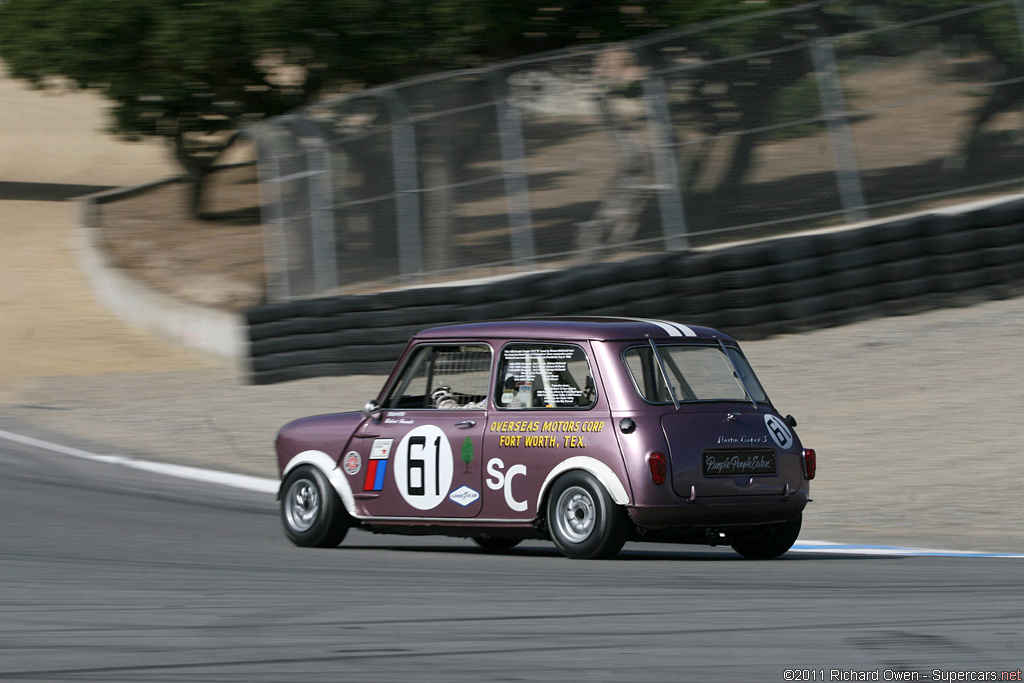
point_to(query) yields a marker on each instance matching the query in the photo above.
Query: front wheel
(311, 510)
(768, 541)
(584, 521)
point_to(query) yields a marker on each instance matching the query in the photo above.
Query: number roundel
(424, 467)
(778, 431)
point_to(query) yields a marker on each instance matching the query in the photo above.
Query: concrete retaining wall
(219, 334)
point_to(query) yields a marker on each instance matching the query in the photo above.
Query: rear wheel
(311, 510)
(768, 541)
(584, 521)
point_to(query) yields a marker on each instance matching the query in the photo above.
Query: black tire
(908, 269)
(768, 541)
(322, 370)
(702, 305)
(695, 285)
(311, 512)
(864, 257)
(491, 544)
(796, 270)
(751, 297)
(583, 520)
(902, 250)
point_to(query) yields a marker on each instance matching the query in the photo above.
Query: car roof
(569, 328)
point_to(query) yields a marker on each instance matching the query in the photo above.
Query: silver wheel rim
(575, 514)
(302, 504)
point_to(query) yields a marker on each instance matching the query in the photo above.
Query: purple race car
(587, 431)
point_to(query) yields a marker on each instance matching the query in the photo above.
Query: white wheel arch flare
(602, 472)
(330, 469)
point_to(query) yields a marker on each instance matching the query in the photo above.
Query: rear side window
(544, 376)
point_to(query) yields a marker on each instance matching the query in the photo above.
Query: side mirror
(791, 421)
(371, 408)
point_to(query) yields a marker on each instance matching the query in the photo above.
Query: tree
(190, 73)
(746, 99)
(195, 72)
(991, 33)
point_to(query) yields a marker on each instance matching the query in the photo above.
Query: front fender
(330, 469)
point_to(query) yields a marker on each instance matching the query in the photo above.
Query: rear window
(696, 373)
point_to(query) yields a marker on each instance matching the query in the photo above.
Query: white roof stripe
(687, 332)
(673, 329)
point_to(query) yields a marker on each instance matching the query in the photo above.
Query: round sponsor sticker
(424, 467)
(778, 430)
(353, 462)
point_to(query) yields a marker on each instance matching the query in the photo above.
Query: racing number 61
(422, 478)
(420, 464)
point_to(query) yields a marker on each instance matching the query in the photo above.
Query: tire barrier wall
(751, 291)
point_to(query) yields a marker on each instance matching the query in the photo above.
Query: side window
(544, 376)
(449, 376)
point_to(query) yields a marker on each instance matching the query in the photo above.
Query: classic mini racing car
(587, 431)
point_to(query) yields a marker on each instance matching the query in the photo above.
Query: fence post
(407, 188)
(325, 250)
(823, 58)
(323, 238)
(666, 168)
(1019, 4)
(275, 248)
(513, 159)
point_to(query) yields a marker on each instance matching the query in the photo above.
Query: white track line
(238, 481)
(262, 485)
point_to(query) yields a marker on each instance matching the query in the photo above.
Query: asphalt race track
(109, 573)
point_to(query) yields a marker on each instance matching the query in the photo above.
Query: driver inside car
(443, 399)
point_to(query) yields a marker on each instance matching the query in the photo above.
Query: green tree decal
(467, 452)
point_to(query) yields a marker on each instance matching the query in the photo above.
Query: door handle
(465, 424)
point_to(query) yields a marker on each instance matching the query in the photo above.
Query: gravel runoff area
(916, 420)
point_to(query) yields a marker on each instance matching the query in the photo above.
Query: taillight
(810, 463)
(659, 467)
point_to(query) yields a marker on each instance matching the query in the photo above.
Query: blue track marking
(861, 549)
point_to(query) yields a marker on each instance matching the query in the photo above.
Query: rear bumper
(720, 511)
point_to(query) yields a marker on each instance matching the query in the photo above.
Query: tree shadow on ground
(46, 192)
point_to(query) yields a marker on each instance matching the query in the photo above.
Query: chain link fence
(823, 114)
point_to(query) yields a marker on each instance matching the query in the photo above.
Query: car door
(422, 450)
(548, 412)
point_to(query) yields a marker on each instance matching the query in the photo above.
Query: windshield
(697, 373)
